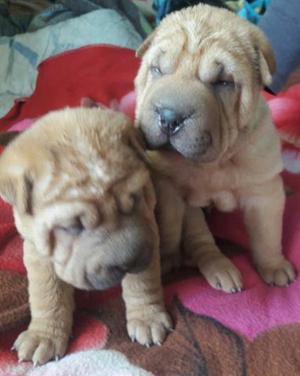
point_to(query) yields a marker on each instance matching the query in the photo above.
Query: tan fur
(84, 204)
(226, 151)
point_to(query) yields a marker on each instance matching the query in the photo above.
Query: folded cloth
(102, 73)
(16, 16)
(20, 16)
(21, 54)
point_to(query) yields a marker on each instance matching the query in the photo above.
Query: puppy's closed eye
(155, 71)
(223, 80)
(73, 228)
(219, 83)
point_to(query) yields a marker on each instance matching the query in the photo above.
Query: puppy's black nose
(170, 121)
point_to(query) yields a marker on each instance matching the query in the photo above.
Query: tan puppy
(199, 102)
(84, 204)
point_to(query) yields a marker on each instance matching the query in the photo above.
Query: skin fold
(84, 202)
(200, 108)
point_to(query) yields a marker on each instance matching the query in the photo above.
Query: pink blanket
(256, 332)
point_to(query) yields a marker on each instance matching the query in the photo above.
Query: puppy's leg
(202, 251)
(169, 211)
(147, 319)
(51, 305)
(263, 213)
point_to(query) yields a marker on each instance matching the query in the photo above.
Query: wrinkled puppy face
(82, 195)
(199, 81)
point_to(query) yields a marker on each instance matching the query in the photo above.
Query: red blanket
(215, 333)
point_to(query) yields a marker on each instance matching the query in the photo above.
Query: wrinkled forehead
(204, 52)
(166, 49)
(91, 203)
(91, 178)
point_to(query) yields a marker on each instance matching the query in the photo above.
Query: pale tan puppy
(199, 103)
(84, 204)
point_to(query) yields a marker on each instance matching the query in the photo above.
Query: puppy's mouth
(110, 276)
(97, 281)
(166, 147)
(175, 147)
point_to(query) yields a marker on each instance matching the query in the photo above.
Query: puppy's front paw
(149, 328)
(39, 347)
(222, 274)
(280, 275)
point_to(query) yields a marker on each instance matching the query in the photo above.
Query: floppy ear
(7, 137)
(145, 45)
(17, 191)
(125, 191)
(264, 67)
(137, 142)
(265, 58)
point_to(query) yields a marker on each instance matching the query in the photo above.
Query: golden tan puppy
(199, 103)
(84, 204)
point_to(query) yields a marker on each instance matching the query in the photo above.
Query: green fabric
(235, 5)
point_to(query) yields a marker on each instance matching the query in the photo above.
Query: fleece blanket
(255, 332)
(21, 54)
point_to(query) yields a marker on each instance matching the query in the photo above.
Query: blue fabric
(282, 27)
(253, 10)
(164, 7)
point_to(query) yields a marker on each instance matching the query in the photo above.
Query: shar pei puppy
(200, 107)
(83, 202)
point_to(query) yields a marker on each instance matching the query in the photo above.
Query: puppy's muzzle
(170, 121)
(108, 276)
(102, 276)
(176, 126)
(183, 117)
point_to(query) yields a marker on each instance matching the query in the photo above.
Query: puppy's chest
(210, 186)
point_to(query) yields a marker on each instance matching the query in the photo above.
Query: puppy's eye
(155, 71)
(223, 83)
(73, 229)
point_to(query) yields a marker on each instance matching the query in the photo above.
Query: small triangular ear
(265, 56)
(17, 191)
(267, 67)
(145, 45)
